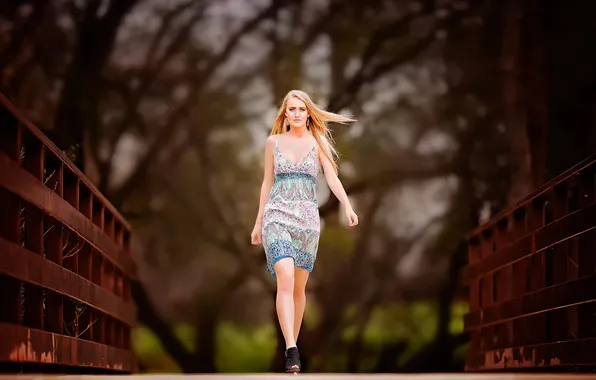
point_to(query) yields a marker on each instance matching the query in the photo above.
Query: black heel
(292, 360)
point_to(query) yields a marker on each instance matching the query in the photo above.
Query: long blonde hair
(319, 118)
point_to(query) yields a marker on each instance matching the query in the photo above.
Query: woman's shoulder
(271, 139)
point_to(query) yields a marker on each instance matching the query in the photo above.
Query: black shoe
(292, 360)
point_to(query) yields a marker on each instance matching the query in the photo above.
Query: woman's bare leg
(284, 302)
(300, 279)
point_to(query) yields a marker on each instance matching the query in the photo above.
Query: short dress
(291, 224)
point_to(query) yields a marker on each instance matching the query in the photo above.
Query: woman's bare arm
(338, 189)
(267, 178)
(333, 181)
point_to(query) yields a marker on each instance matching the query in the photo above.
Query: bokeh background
(463, 107)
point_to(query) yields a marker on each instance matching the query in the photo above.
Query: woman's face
(296, 113)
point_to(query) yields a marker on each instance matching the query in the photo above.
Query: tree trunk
(571, 63)
(205, 355)
(535, 81)
(149, 317)
(356, 347)
(524, 102)
(388, 357)
(550, 80)
(77, 113)
(205, 341)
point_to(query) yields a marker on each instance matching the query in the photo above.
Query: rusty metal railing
(531, 277)
(65, 262)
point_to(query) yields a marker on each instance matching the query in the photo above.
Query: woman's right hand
(255, 236)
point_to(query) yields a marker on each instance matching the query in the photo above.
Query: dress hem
(273, 274)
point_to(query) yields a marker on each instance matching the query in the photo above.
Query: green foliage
(240, 349)
(458, 310)
(150, 352)
(414, 324)
(244, 349)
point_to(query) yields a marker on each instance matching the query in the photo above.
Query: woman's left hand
(352, 217)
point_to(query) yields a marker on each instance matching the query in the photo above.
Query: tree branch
(320, 25)
(172, 124)
(370, 73)
(397, 28)
(19, 36)
(391, 177)
(150, 73)
(231, 246)
(167, 20)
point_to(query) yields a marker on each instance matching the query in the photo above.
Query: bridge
(66, 270)
(66, 266)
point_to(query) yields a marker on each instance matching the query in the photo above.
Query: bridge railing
(65, 260)
(531, 277)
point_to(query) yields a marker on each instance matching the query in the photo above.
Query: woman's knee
(299, 293)
(299, 289)
(284, 271)
(300, 280)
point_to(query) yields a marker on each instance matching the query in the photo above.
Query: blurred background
(463, 107)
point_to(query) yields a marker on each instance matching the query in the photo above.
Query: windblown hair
(317, 125)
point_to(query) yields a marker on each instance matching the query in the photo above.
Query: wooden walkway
(267, 376)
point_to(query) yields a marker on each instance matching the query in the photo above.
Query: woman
(288, 223)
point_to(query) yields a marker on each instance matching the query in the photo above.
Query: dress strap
(276, 141)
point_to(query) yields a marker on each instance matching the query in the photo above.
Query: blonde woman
(288, 223)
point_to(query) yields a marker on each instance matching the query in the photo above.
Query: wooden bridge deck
(268, 376)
